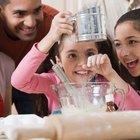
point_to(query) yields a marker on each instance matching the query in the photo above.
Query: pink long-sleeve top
(25, 79)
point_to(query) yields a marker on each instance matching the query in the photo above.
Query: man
(22, 23)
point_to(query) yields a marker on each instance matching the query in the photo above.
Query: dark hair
(41, 102)
(133, 81)
(134, 17)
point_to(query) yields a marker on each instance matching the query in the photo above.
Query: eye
(90, 53)
(38, 10)
(19, 13)
(72, 56)
(117, 44)
(132, 42)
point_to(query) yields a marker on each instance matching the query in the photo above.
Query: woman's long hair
(133, 81)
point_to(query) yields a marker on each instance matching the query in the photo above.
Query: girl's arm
(24, 78)
(101, 64)
(60, 25)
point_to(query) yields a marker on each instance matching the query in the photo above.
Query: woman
(127, 45)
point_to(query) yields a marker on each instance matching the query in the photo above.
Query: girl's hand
(60, 25)
(99, 64)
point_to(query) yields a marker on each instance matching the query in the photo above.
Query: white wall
(70, 5)
(112, 11)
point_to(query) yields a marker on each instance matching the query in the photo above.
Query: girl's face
(73, 56)
(127, 44)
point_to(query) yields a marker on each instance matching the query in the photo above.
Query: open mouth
(132, 64)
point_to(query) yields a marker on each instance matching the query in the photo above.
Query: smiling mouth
(84, 76)
(28, 31)
(83, 73)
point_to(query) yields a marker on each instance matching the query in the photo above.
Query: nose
(82, 60)
(125, 51)
(30, 21)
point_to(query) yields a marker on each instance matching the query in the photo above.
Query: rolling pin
(95, 126)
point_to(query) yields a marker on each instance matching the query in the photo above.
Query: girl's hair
(133, 17)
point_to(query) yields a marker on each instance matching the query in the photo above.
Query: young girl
(71, 56)
(127, 45)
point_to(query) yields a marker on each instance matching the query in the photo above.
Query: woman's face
(127, 44)
(73, 55)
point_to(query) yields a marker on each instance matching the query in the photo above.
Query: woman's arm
(132, 100)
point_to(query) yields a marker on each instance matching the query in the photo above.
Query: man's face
(21, 18)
